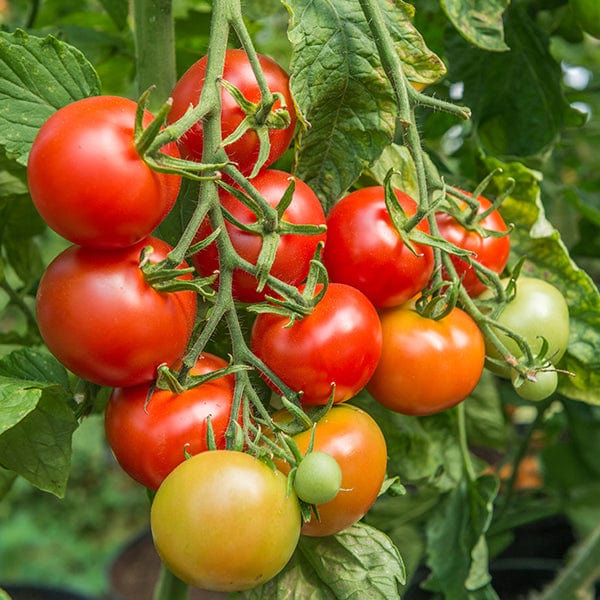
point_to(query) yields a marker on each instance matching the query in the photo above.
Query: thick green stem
(155, 49)
(170, 587)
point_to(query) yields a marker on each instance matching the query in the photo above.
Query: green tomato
(318, 478)
(587, 14)
(538, 310)
(543, 387)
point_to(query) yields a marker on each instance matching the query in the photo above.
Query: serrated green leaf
(478, 21)
(34, 365)
(535, 238)
(37, 76)
(456, 547)
(359, 562)
(16, 402)
(38, 447)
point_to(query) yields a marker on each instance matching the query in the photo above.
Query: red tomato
(149, 431)
(364, 249)
(294, 252)
(87, 180)
(427, 366)
(101, 320)
(355, 440)
(339, 342)
(492, 252)
(238, 72)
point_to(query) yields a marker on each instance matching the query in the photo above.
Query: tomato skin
(294, 252)
(223, 521)
(353, 438)
(537, 309)
(101, 320)
(427, 366)
(339, 342)
(543, 387)
(149, 431)
(364, 249)
(88, 182)
(238, 72)
(491, 252)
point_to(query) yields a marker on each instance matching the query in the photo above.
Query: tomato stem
(170, 587)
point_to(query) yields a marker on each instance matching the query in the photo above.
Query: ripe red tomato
(353, 438)
(339, 342)
(294, 251)
(225, 521)
(427, 366)
(492, 252)
(149, 431)
(104, 322)
(238, 72)
(365, 250)
(87, 180)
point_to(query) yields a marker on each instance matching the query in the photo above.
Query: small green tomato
(543, 387)
(318, 478)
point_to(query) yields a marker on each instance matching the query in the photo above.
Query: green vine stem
(154, 34)
(169, 587)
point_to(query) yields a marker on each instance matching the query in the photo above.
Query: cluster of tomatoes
(222, 519)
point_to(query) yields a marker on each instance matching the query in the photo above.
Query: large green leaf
(340, 87)
(37, 76)
(535, 238)
(478, 21)
(360, 562)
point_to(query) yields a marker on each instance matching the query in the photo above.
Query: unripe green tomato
(544, 386)
(587, 14)
(318, 478)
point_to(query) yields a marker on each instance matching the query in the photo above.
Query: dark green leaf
(360, 562)
(456, 547)
(38, 447)
(37, 76)
(536, 239)
(16, 402)
(478, 21)
(118, 11)
(34, 365)
(7, 478)
(507, 124)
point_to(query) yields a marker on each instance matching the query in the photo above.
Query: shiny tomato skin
(427, 366)
(150, 430)
(353, 438)
(339, 342)
(294, 251)
(238, 72)
(104, 322)
(224, 521)
(365, 250)
(88, 182)
(492, 252)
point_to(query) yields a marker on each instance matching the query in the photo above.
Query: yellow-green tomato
(224, 521)
(318, 478)
(538, 310)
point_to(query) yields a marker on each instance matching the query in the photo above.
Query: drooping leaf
(535, 238)
(478, 21)
(360, 562)
(341, 89)
(118, 11)
(37, 76)
(456, 547)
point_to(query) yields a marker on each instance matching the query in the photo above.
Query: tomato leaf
(359, 562)
(341, 90)
(37, 76)
(480, 23)
(506, 127)
(118, 11)
(456, 547)
(535, 238)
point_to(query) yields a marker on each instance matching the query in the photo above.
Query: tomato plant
(365, 250)
(237, 72)
(537, 312)
(427, 365)
(239, 522)
(353, 438)
(88, 181)
(587, 14)
(338, 344)
(103, 321)
(150, 431)
(294, 251)
(482, 237)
